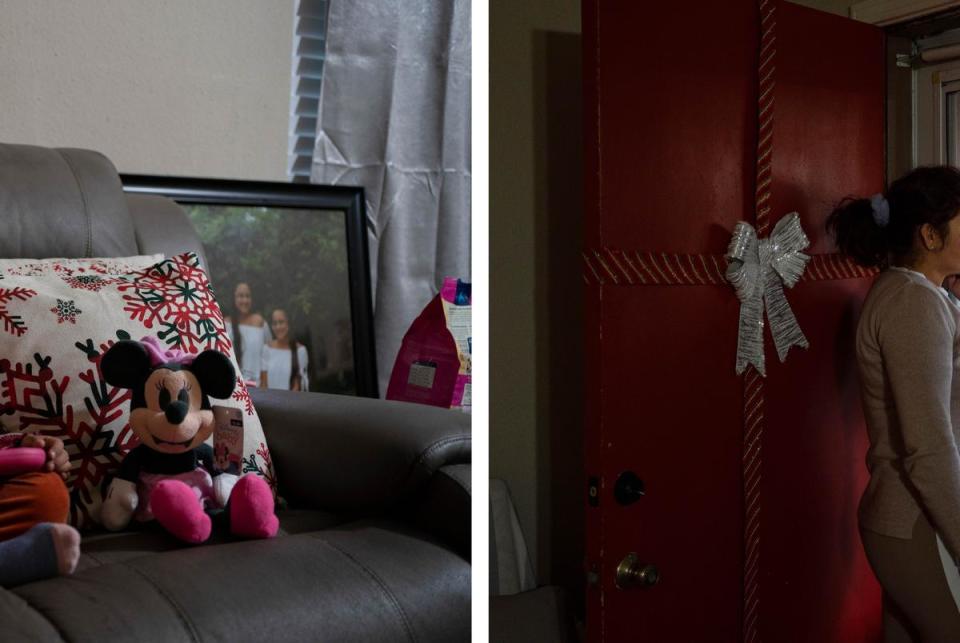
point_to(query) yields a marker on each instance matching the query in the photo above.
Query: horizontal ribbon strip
(618, 267)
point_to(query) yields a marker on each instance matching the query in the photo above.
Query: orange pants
(29, 499)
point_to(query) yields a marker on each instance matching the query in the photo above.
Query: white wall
(177, 87)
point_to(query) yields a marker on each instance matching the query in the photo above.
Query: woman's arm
(264, 365)
(917, 342)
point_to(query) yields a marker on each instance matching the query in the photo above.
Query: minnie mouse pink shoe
(251, 509)
(176, 508)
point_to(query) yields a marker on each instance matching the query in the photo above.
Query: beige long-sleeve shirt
(908, 351)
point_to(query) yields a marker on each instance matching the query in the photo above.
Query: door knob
(632, 573)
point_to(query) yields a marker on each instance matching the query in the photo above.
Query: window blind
(309, 46)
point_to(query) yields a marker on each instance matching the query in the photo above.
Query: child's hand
(57, 458)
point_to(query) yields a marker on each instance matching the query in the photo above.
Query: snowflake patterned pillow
(57, 320)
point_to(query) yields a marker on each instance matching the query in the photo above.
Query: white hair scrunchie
(881, 210)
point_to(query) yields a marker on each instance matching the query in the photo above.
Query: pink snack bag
(434, 362)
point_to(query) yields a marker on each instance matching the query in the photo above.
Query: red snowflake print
(265, 470)
(14, 323)
(66, 311)
(33, 393)
(8, 440)
(28, 270)
(93, 283)
(107, 267)
(241, 394)
(90, 276)
(174, 297)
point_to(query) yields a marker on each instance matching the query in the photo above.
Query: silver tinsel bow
(758, 269)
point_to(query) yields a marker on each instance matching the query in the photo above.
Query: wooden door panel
(815, 583)
(670, 131)
(828, 144)
(676, 122)
(672, 415)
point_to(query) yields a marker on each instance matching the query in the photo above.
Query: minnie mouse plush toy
(171, 476)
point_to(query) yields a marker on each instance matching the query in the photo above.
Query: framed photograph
(290, 267)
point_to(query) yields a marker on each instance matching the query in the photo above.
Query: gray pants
(917, 604)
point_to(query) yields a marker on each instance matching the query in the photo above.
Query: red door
(671, 137)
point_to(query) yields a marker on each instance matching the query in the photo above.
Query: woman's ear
(215, 373)
(126, 364)
(930, 238)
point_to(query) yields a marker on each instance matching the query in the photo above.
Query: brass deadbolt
(632, 573)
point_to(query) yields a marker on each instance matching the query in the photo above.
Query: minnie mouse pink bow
(160, 355)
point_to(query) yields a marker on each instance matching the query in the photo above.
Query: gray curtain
(394, 117)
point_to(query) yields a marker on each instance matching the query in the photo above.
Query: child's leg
(33, 546)
(31, 499)
(42, 552)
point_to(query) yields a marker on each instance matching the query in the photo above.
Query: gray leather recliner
(375, 542)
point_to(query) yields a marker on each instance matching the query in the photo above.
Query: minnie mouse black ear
(215, 373)
(126, 364)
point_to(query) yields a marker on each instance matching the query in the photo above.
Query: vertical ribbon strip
(753, 397)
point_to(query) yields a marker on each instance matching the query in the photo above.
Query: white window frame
(884, 13)
(930, 88)
(930, 83)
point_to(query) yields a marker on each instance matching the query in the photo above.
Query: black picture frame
(300, 196)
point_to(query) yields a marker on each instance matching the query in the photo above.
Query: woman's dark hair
(237, 339)
(235, 324)
(292, 345)
(926, 195)
(294, 360)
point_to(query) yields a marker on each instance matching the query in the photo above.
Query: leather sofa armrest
(444, 509)
(338, 452)
(161, 225)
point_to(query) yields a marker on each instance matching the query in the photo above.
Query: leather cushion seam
(95, 559)
(378, 581)
(181, 614)
(46, 618)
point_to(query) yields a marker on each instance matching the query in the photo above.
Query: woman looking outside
(908, 352)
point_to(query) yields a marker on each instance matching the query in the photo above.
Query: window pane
(952, 142)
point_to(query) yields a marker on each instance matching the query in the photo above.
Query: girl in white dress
(283, 360)
(249, 333)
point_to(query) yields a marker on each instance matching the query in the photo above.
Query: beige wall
(160, 86)
(534, 144)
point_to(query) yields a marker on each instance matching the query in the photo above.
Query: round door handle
(632, 573)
